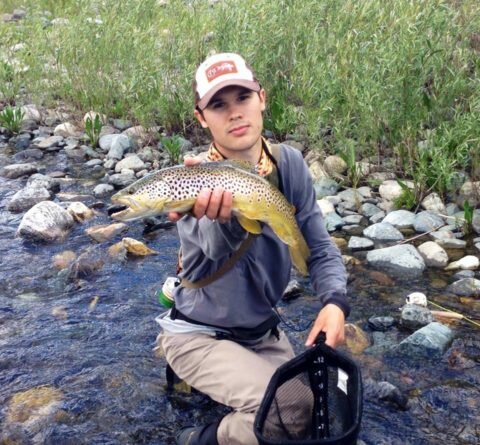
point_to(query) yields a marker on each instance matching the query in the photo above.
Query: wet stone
(415, 316)
(402, 261)
(29, 154)
(381, 323)
(465, 287)
(294, 290)
(383, 232)
(427, 221)
(431, 341)
(357, 243)
(14, 171)
(333, 221)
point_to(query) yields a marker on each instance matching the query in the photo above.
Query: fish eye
(130, 192)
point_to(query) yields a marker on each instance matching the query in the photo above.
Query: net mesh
(314, 399)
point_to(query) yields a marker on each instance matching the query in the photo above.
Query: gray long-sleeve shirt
(244, 296)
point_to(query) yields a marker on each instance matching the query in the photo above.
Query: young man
(222, 338)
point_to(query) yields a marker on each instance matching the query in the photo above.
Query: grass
(387, 75)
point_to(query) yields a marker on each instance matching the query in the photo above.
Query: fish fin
(237, 163)
(298, 259)
(179, 206)
(250, 225)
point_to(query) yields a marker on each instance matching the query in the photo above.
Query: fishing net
(315, 398)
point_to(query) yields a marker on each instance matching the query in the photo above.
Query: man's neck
(251, 155)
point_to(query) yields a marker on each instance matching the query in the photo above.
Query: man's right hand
(215, 204)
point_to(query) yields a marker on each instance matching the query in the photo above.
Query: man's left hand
(330, 320)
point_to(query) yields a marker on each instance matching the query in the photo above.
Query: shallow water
(93, 338)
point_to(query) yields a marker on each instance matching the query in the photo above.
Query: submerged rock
(431, 341)
(45, 221)
(401, 261)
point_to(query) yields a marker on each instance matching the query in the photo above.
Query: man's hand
(330, 320)
(215, 204)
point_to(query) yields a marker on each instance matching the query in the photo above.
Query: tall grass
(384, 74)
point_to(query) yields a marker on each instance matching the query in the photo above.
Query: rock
(390, 190)
(66, 130)
(51, 143)
(356, 340)
(357, 243)
(137, 248)
(354, 219)
(383, 232)
(417, 298)
(43, 181)
(64, 259)
(402, 261)
(427, 221)
(26, 198)
(378, 217)
(431, 341)
(87, 264)
(469, 262)
(103, 190)
(31, 112)
(334, 165)
(325, 187)
(119, 145)
(105, 232)
(138, 134)
(381, 323)
(132, 162)
(449, 243)
(433, 203)
(14, 171)
(368, 210)
(470, 191)
(351, 195)
(121, 180)
(30, 406)
(317, 171)
(333, 222)
(326, 206)
(45, 221)
(401, 219)
(466, 287)
(80, 211)
(476, 221)
(414, 316)
(29, 154)
(293, 290)
(386, 392)
(22, 141)
(433, 254)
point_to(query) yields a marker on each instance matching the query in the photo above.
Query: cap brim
(249, 84)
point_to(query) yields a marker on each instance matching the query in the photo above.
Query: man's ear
(263, 99)
(199, 115)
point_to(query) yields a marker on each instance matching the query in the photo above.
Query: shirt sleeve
(327, 271)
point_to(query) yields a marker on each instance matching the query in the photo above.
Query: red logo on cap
(219, 69)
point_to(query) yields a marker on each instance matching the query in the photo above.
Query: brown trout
(175, 189)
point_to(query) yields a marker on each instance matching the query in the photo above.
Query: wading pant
(232, 374)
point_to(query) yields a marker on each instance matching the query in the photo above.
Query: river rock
(120, 144)
(39, 180)
(92, 115)
(356, 340)
(449, 243)
(383, 232)
(466, 287)
(381, 324)
(326, 206)
(294, 290)
(427, 221)
(385, 391)
(334, 165)
(469, 262)
(26, 198)
(390, 190)
(14, 171)
(433, 254)
(50, 143)
(317, 171)
(64, 259)
(476, 221)
(351, 195)
(431, 341)
(414, 316)
(33, 408)
(333, 221)
(377, 217)
(31, 112)
(325, 186)
(103, 190)
(368, 210)
(105, 232)
(121, 180)
(433, 203)
(470, 191)
(22, 141)
(131, 162)
(401, 219)
(66, 130)
(357, 243)
(80, 211)
(402, 261)
(28, 154)
(45, 221)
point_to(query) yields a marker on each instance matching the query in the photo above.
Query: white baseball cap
(219, 71)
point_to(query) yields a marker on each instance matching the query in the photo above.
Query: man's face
(234, 118)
